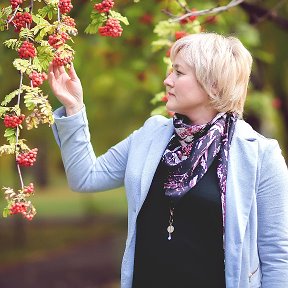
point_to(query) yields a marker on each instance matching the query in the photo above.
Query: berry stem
(18, 131)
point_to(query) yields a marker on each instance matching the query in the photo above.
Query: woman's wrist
(74, 109)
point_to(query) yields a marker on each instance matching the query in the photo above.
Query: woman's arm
(85, 171)
(272, 207)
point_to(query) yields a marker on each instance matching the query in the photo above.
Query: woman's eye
(178, 72)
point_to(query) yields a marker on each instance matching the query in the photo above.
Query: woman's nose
(168, 81)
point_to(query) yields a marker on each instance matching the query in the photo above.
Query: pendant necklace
(170, 228)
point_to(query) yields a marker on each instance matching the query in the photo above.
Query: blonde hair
(222, 66)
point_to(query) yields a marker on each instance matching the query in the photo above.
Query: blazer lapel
(155, 152)
(241, 182)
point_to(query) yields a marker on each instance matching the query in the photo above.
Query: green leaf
(9, 132)
(3, 110)
(9, 97)
(44, 57)
(26, 33)
(7, 149)
(118, 16)
(97, 21)
(159, 44)
(157, 98)
(166, 28)
(48, 10)
(6, 212)
(92, 28)
(12, 43)
(21, 64)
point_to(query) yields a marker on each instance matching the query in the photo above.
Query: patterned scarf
(192, 149)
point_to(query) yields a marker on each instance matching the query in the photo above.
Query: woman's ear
(214, 88)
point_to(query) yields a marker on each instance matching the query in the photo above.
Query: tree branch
(215, 10)
(258, 14)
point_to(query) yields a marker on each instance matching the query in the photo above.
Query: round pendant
(170, 229)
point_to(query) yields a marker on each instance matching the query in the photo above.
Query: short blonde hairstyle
(222, 66)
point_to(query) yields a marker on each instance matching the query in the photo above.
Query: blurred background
(77, 240)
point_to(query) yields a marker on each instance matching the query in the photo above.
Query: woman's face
(185, 95)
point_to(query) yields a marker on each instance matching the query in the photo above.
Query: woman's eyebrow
(176, 66)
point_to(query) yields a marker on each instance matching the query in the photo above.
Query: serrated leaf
(92, 28)
(9, 132)
(21, 64)
(7, 149)
(48, 10)
(3, 110)
(9, 97)
(118, 16)
(26, 33)
(12, 43)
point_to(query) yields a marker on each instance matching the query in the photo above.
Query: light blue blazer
(256, 237)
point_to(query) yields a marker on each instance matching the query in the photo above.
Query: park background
(77, 240)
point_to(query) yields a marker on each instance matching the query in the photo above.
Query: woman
(207, 195)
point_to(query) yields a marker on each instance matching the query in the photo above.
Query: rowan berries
(59, 60)
(104, 6)
(27, 159)
(67, 20)
(18, 207)
(29, 189)
(38, 78)
(27, 50)
(12, 121)
(22, 20)
(57, 40)
(15, 3)
(112, 28)
(65, 6)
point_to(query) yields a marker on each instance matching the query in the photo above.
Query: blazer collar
(155, 152)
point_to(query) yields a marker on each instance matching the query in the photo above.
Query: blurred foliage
(121, 76)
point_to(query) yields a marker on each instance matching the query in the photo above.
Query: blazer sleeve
(85, 171)
(272, 207)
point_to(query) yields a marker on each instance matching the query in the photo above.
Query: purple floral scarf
(192, 149)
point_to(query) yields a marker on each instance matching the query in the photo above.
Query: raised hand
(67, 87)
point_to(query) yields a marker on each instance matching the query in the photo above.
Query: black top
(194, 256)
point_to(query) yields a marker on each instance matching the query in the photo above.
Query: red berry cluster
(18, 207)
(15, 3)
(112, 28)
(22, 207)
(59, 60)
(65, 6)
(27, 50)
(29, 189)
(67, 20)
(12, 121)
(27, 158)
(104, 6)
(22, 20)
(38, 78)
(57, 40)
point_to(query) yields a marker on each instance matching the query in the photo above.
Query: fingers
(72, 73)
